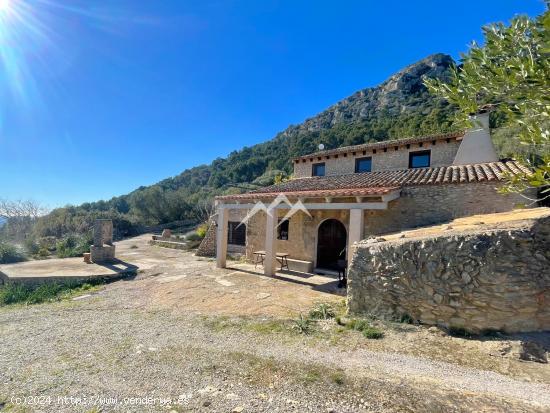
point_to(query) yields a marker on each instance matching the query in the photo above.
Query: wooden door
(331, 244)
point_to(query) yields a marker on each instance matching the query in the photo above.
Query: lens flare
(4, 6)
(38, 42)
(20, 34)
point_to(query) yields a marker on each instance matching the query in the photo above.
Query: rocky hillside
(403, 92)
(400, 107)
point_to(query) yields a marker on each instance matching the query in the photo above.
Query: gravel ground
(183, 336)
(108, 346)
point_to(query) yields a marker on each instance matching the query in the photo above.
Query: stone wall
(207, 247)
(493, 278)
(442, 154)
(433, 204)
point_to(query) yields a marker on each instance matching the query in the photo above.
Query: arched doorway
(331, 244)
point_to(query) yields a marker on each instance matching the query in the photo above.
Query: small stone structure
(207, 247)
(166, 233)
(491, 278)
(103, 249)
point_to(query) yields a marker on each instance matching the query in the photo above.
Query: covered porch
(348, 206)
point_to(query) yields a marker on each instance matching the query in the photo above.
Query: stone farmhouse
(340, 196)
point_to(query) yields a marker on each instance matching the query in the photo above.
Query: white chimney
(476, 145)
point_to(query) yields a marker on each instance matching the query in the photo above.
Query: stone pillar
(103, 249)
(221, 237)
(270, 232)
(356, 226)
(103, 232)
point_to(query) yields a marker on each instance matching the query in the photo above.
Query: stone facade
(302, 233)
(489, 279)
(417, 206)
(442, 154)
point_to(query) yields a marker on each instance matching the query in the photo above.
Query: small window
(236, 233)
(363, 165)
(318, 169)
(282, 230)
(419, 159)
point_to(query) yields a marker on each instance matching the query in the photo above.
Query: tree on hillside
(20, 216)
(512, 72)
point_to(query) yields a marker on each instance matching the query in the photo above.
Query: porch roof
(317, 193)
(384, 182)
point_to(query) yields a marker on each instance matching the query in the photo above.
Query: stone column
(270, 241)
(356, 226)
(221, 237)
(103, 249)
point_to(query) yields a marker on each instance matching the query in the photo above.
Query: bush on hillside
(202, 229)
(73, 246)
(10, 254)
(31, 246)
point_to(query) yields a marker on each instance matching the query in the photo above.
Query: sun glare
(4, 5)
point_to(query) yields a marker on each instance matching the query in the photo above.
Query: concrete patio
(66, 269)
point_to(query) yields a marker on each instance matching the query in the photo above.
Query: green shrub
(12, 293)
(43, 252)
(323, 311)
(73, 246)
(31, 246)
(202, 229)
(302, 324)
(10, 254)
(372, 332)
(338, 377)
(357, 324)
(194, 236)
(364, 327)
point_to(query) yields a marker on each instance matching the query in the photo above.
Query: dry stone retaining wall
(489, 279)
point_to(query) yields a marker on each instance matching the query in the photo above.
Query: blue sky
(96, 101)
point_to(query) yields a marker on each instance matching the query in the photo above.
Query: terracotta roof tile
(318, 193)
(380, 183)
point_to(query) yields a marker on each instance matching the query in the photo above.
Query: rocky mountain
(399, 107)
(402, 92)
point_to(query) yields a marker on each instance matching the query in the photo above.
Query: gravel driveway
(118, 350)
